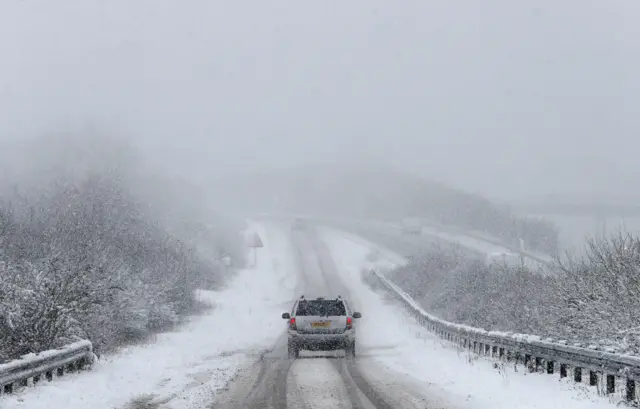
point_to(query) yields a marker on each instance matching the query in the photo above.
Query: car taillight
(349, 323)
(292, 323)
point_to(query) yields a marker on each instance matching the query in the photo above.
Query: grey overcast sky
(509, 98)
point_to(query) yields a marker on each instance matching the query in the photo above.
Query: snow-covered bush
(600, 293)
(593, 300)
(89, 256)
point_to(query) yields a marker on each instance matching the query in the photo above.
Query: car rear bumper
(321, 341)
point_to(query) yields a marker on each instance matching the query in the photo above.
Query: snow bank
(186, 368)
(389, 337)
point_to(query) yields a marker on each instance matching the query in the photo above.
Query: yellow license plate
(320, 324)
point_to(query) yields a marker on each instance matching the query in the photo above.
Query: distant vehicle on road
(298, 223)
(411, 226)
(503, 259)
(321, 325)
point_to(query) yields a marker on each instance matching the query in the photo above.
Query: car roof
(339, 299)
(303, 298)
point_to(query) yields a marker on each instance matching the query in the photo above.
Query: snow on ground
(317, 385)
(185, 368)
(375, 256)
(476, 241)
(485, 246)
(392, 341)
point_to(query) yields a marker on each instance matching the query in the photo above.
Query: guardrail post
(8, 388)
(481, 348)
(82, 363)
(631, 390)
(494, 351)
(593, 378)
(550, 367)
(475, 346)
(49, 375)
(60, 372)
(577, 375)
(538, 364)
(563, 370)
(487, 349)
(501, 353)
(611, 384)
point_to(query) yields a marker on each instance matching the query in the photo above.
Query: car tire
(350, 351)
(294, 352)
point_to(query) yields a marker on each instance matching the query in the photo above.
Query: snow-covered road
(235, 356)
(399, 364)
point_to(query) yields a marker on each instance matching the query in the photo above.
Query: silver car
(321, 325)
(298, 224)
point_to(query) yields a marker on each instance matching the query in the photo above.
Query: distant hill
(375, 191)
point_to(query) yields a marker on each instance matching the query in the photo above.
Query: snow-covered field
(390, 340)
(475, 241)
(185, 368)
(487, 246)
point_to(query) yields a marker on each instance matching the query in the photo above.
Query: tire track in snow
(317, 384)
(261, 386)
(393, 395)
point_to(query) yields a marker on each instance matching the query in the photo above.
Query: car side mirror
(286, 316)
(357, 315)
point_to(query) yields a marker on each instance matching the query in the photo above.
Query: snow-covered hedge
(592, 300)
(89, 256)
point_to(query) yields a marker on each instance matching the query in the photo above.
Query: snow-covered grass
(474, 241)
(185, 368)
(391, 340)
(486, 245)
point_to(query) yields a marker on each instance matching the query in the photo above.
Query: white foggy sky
(508, 98)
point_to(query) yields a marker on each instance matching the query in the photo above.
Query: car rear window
(321, 308)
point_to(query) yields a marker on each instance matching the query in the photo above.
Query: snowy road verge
(392, 339)
(186, 368)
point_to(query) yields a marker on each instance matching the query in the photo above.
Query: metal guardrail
(538, 355)
(30, 369)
